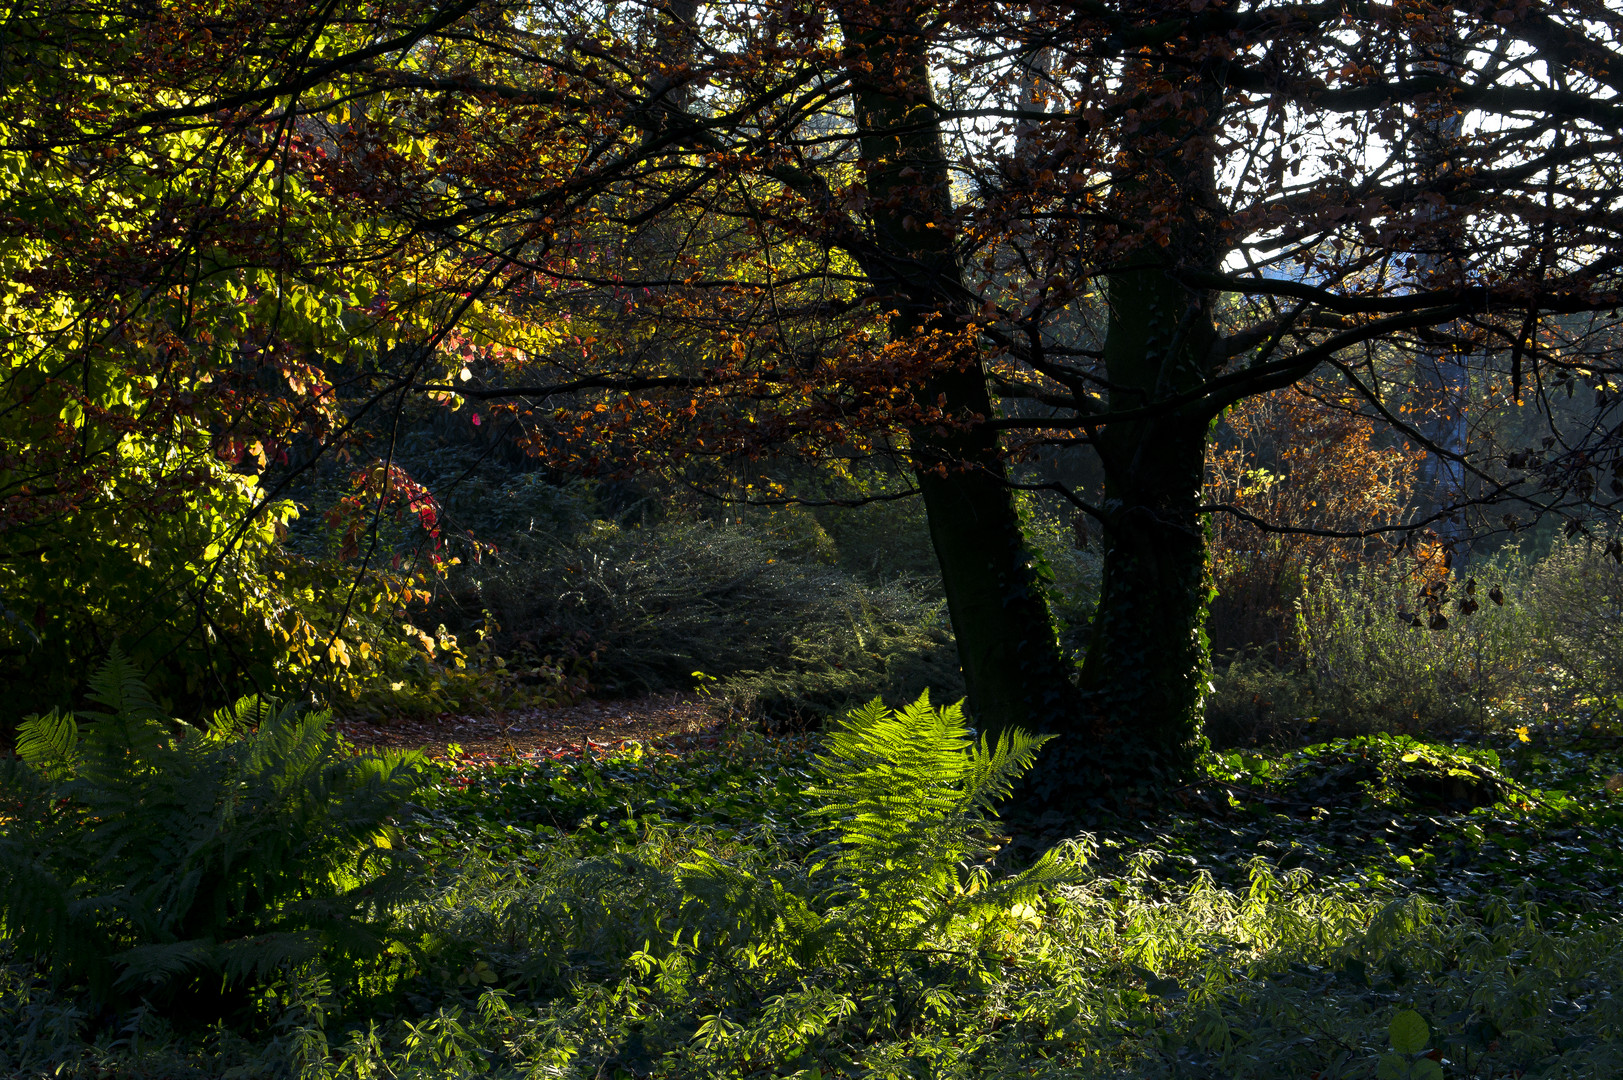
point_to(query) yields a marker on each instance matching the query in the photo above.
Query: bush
(881, 541)
(1574, 601)
(1256, 702)
(146, 858)
(755, 606)
(1071, 569)
(1380, 660)
(1389, 648)
(1294, 461)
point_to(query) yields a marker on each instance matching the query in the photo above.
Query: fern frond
(119, 685)
(155, 965)
(998, 895)
(49, 743)
(910, 795)
(119, 745)
(993, 768)
(265, 955)
(734, 903)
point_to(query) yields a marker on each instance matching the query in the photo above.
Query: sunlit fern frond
(49, 742)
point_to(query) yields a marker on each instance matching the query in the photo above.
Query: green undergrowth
(1541, 818)
(849, 907)
(594, 803)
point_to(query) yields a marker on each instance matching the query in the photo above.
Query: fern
(910, 835)
(910, 794)
(903, 877)
(50, 743)
(150, 853)
(118, 685)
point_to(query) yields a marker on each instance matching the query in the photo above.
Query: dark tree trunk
(1146, 665)
(1144, 678)
(1013, 667)
(1136, 716)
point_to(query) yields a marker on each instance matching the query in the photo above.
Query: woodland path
(674, 721)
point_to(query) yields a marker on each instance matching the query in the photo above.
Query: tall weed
(1376, 662)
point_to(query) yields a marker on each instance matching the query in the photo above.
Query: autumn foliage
(1305, 489)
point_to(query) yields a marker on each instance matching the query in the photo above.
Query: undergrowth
(150, 862)
(756, 606)
(1509, 641)
(850, 907)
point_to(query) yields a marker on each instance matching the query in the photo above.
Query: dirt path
(679, 722)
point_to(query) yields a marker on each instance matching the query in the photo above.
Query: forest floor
(670, 721)
(596, 884)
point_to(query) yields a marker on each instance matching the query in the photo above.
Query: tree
(176, 310)
(1209, 206)
(713, 238)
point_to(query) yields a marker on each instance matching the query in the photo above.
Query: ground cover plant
(847, 905)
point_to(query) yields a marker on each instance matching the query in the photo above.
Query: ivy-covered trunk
(1146, 665)
(1012, 664)
(1144, 678)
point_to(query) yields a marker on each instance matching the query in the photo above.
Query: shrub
(443, 677)
(1410, 649)
(1071, 569)
(1574, 601)
(755, 605)
(1297, 462)
(1377, 663)
(146, 856)
(881, 541)
(1257, 702)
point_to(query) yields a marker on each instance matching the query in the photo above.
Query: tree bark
(1147, 659)
(1144, 678)
(1012, 664)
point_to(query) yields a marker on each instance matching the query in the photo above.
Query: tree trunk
(1143, 682)
(1011, 659)
(1013, 667)
(1147, 661)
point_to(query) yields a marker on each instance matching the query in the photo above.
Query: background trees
(931, 246)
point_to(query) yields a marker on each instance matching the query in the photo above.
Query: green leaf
(1408, 1033)
(49, 742)
(1391, 1067)
(1426, 1069)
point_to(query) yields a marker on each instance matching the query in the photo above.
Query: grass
(1291, 915)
